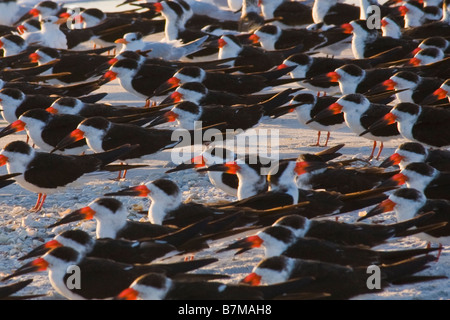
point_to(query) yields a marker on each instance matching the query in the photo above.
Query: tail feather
(112, 155)
(194, 46)
(406, 268)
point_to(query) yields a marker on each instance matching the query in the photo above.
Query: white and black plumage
(359, 115)
(408, 203)
(45, 173)
(113, 278)
(46, 130)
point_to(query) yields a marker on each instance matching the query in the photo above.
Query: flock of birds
(225, 65)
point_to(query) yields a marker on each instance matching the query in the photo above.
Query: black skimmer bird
(198, 93)
(27, 27)
(367, 42)
(189, 115)
(111, 219)
(71, 105)
(120, 250)
(440, 94)
(42, 9)
(289, 13)
(167, 207)
(354, 79)
(46, 130)
(284, 192)
(310, 106)
(424, 178)
(411, 87)
(411, 203)
(228, 82)
(45, 173)
(277, 237)
(341, 282)
(251, 58)
(427, 56)
(78, 65)
(226, 182)
(140, 80)
(156, 286)
(334, 12)
(167, 50)
(102, 135)
(433, 28)
(350, 78)
(251, 17)
(273, 37)
(416, 15)
(279, 240)
(114, 278)
(14, 102)
(410, 152)
(359, 115)
(317, 175)
(414, 123)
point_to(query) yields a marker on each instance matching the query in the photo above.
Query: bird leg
(147, 103)
(328, 138)
(373, 150)
(318, 140)
(39, 203)
(381, 149)
(439, 252)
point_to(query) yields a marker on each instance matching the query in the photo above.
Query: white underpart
(418, 181)
(161, 204)
(108, 223)
(94, 137)
(405, 123)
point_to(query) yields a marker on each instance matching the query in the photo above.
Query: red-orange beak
(415, 62)
(3, 160)
(393, 160)
(233, 167)
(110, 75)
(34, 57)
(385, 206)
(34, 12)
(128, 294)
(222, 43)
(347, 28)
(21, 29)
(252, 279)
(390, 84)
(112, 61)
(254, 38)
(403, 10)
(333, 76)
(336, 108)
(52, 110)
(85, 213)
